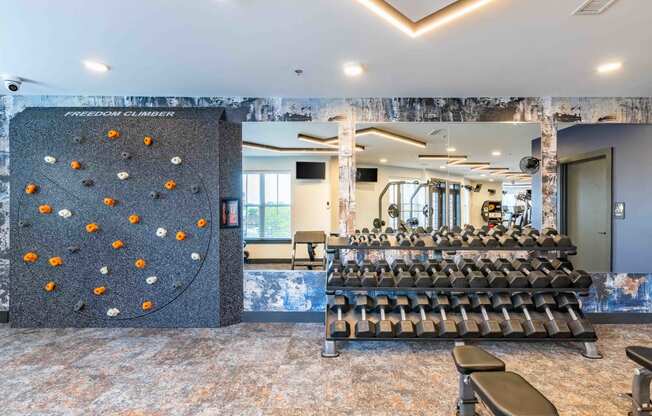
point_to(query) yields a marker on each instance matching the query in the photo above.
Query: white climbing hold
(113, 312)
(50, 159)
(65, 213)
(176, 160)
(195, 256)
(123, 175)
(161, 232)
(151, 280)
(104, 270)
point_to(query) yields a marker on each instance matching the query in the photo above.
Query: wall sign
(619, 210)
(230, 213)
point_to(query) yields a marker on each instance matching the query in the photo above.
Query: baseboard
(4, 317)
(620, 318)
(312, 317)
(269, 261)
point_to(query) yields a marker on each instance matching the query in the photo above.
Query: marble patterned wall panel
(284, 291)
(620, 292)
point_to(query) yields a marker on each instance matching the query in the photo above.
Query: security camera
(12, 85)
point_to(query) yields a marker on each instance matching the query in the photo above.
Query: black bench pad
(508, 394)
(641, 356)
(469, 359)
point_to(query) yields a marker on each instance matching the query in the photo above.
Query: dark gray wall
(632, 170)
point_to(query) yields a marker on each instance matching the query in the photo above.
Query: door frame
(607, 154)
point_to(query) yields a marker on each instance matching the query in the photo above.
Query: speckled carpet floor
(275, 369)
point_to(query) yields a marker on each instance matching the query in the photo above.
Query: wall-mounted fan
(529, 165)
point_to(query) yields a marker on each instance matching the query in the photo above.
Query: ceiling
(475, 140)
(252, 47)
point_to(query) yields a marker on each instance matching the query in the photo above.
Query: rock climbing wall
(115, 218)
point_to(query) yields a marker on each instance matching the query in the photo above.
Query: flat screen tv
(366, 175)
(311, 170)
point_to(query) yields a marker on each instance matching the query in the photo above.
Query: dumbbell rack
(339, 247)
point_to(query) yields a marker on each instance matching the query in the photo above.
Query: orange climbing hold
(45, 209)
(113, 134)
(134, 219)
(201, 223)
(170, 185)
(181, 235)
(50, 286)
(92, 227)
(31, 188)
(75, 165)
(30, 257)
(148, 140)
(109, 202)
(99, 291)
(117, 244)
(140, 263)
(147, 305)
(55, 261)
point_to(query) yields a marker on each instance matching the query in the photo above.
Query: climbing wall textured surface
(105, 183)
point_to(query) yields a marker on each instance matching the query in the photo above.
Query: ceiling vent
(591, 7)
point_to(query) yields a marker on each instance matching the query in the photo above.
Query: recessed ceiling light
(496, 153)
(443, 167)
(610, 67)
(491, 180)
(353, 69)
(451, 149)
(483, 175)
(96, 66)
(383, 160)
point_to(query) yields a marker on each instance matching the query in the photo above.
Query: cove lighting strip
(391, 136)
(445, 15)
(274, 149)
(488, 169)
(330, 142)
(442, 157)
(464, 164)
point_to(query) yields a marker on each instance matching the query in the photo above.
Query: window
(267, 209)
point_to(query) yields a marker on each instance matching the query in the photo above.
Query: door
(587, 196)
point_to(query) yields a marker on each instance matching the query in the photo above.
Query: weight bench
(483, 377)
(642, 356)
(310, 239)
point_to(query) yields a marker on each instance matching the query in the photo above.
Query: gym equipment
(311, 239)
(385, 277)
(340, 327)
(402, 240)
(384, 241)
(405, 327)
(393, 211)
(351, 277)
(473, 275)
(536, 278)
(579, 278)
(416, 240)
(489, 328)
(467, 328)
(378, 223)
(368, 276)
(384, 327)
(556, 327)
(402, 276)
(503, 393)
(514, 278)
(421, 276)
(425, 328)
(364, 328)
(489, 241)
(512, 328)
(455, 277)
(494, 277)
(581, 328)
(641, 405)
(447, 328)
(335, 277)
(533, 328)
(558, 279)
(439, 277)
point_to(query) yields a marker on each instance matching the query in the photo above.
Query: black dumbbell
(507, 241)
(515, 278)
(447, 328)
(562, 240)
(489, 241)
(536, 278)
(474, 276)
(494, 277)
(467, 328)
(556, 328)
(335, 277)
(368, 276)
(405, 327)
(420, 274)
(365, 230)
(581, 328)
(551, 232)
(495, 232)
(402, 240)
(425, 328)
(533, 328)
(545, 240)
(385, 276)
(416, 240)
(530, 232)
(363, 241)
(558, 279)
(420, 230)
(384, 241)
(353, 241)
(373, 240)
(339, 328)
(438, 277)
(441, 240)
(472, 240)
(389, 230)
(364, 328)
(579, 278)
(512, 328)
(489, 328)
(384, 327)
(402, 275)
(428, 229)
(455, 276)
(351, 276)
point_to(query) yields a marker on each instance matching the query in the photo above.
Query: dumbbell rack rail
(337, 244)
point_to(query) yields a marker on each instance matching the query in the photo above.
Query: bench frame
(641, 405)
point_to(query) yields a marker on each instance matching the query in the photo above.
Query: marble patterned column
(549, 166)
(346, 162)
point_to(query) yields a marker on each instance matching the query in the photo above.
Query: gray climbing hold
(177, 285)
(154, 195)
(125, 155)
(50, 159)
(73, 249)
(88, 182)
(79, 305)
(77, 139)
(194, 189)
(23, 224)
